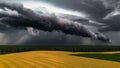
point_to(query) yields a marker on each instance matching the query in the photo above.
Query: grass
(59, 57)
(110, 57)
(52, 59)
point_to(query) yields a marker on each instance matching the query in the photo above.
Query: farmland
(53, 59)
(59, 56)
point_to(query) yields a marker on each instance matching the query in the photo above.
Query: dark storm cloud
(49, 22)
(95, 8)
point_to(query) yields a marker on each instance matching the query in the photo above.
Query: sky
(95, 10)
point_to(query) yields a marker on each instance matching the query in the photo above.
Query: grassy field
(59, 56)
(103, 56)
(54, 59)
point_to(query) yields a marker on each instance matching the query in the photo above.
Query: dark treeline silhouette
(16, 49)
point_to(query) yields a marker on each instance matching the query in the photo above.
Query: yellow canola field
(52, 59)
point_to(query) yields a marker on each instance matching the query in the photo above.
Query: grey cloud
(101, 9)
(48, 22)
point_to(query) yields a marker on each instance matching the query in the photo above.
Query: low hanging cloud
(23, 17)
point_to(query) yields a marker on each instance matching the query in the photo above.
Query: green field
(110, 57)
(95, 52)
